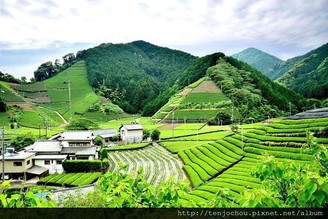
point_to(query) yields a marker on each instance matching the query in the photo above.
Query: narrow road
(64, 120)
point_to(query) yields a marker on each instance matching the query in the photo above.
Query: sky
(36, 31)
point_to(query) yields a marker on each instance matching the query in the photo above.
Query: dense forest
(133, 74)
(260, 60)
(252, 93)
(307, 74)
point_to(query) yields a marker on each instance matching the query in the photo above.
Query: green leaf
(320, 196)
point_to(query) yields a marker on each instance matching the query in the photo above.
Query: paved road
(63, 193)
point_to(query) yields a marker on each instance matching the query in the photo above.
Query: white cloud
(198, 27)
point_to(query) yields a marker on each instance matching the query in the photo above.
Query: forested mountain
(252, 93)
(260, 60)
(307, 74)
(135, 73)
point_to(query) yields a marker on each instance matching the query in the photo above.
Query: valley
(212, 131)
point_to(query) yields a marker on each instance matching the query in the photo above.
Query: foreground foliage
(24, 199)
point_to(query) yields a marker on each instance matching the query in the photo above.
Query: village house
(47, 156)
(19, 165)
(132, 133)
(106, 135)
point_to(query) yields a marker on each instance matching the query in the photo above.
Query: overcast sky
(36, 31)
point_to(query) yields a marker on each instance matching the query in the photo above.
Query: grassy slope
(82, 95)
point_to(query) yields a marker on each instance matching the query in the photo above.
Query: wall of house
(10, 168)
(53, 166)
(76, 143)
(131, 136)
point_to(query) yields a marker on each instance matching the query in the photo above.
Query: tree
(44, 71)
(155, 135)
(146, 134)
(24, 80)
(81, 124)
(21, 141)
(68, 59)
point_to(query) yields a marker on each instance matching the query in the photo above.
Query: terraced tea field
(198, 102)
(227, 163)
(158, 164)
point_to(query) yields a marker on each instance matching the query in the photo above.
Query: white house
(132, 133)
(75, 138)
(52, 162)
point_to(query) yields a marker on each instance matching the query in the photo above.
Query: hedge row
(209, 154)
(73, 166)
(193, 176)
(226, 151)
(70, 179)
(279, 154)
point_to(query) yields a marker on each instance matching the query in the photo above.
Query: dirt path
(64, 120)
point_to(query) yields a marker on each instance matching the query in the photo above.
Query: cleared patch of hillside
(198, 102)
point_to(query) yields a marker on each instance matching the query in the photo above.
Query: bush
(98, 141)
(155, 135)
(105, 164)
(72, 166)
(104, 154)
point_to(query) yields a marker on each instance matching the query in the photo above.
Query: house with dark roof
(131, 133)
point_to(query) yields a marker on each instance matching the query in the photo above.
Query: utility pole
(3, 153)
(173, 124)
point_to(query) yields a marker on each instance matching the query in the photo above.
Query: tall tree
(44, 71)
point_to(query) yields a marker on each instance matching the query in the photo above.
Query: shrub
(103, 154)
(72, 166)
(155, 135)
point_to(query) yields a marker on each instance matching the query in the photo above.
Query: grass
(82, 95)
(69, 179)
(205, 98)
(177, 146)
(201, 115)
(8, 94)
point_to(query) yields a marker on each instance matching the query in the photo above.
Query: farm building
(131, 133)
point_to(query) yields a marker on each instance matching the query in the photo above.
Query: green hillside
(199, 102)
(68, 93)
(242, 90)
(260, 60)
(135, 73)
(307, 74)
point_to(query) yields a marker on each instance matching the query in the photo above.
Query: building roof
(132, 127)
(50, 157)
(76, 135)
(37, 170)
(18, 155)
(105, 133)
(79, 150)
(46, 146)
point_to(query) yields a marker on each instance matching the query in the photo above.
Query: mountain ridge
(260, 60)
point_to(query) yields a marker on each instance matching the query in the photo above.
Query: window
(18, 164)
(47, 162)
(59, 162)
(28, 162)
